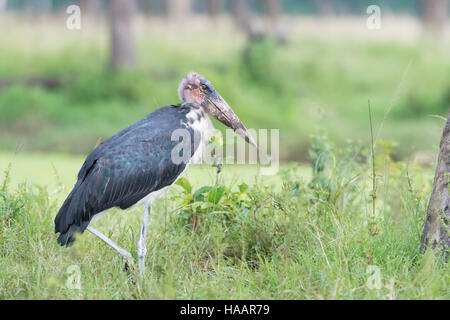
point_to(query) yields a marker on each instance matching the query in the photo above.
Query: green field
(313, 83)
(55, 170)
(297, 235)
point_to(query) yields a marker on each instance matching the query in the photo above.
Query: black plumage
(125, 168)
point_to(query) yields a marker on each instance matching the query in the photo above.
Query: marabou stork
(135, 166)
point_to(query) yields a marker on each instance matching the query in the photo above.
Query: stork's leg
(142, 249)
(126, 256)
(219, 169)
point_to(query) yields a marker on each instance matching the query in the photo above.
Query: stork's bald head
(193, 88)
(198, 90)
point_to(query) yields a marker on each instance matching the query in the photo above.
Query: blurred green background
(300, 66)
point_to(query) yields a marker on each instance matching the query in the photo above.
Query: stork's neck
(199, 120)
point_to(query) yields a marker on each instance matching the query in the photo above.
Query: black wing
(124, 169)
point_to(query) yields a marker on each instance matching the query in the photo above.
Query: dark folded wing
(124, 169)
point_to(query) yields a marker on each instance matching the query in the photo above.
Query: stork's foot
(128, 267)
(128, 264)
(219, 170)
(127, 258)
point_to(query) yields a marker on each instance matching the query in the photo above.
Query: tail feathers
(72, 217)
(67, 238)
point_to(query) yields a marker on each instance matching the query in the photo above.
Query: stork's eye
(204, 87)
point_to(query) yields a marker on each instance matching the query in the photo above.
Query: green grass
(57, 170)
(311, 83)
(295, 236)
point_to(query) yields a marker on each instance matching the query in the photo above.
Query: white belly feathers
(202, 125)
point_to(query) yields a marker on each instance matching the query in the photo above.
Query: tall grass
(310, 240)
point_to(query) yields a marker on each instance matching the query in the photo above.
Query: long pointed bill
(219, 109)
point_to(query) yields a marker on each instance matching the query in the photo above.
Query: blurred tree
(86, 7)
(213, 7)
(123, 52)
(166, 8)
(3, 4)
(324, 7)
(436, 229)
(90, 8)
(146, 6)
(241, 12)
(36, 7)
(177, 10)
(273, 9)
(434, 15)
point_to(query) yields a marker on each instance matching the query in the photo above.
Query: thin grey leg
(219, 169)
(142, 249)
(124, 253)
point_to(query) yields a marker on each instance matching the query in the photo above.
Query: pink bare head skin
(190, 89)
(199, 91)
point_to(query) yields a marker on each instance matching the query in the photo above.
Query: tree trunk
(324, 7)
(86, 7)
(35, 9)
(146, 7)
(213, 7)
(178, 10)
(434, 15)
(241, 13)
(273, 9)
(123, 52)
(3, 4)
(436, 230)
